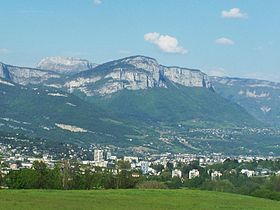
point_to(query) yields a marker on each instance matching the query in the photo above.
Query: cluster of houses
(105, 160)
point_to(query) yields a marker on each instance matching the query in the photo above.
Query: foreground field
(130, 199)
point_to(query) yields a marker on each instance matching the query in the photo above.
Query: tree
(274, 183)
(108, 180)
(55, 178)
(121, 164)
(158, 167)
(175, 183)
(41, 174)
(1, 179)
(66, 175)
(22, 179)
(165, 175)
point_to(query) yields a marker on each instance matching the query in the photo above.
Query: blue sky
(232, 37)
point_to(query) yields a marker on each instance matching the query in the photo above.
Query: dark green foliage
(38, 178)
(33, 105)
(158, 167)
(265, 193)
(123, 165)
(274, 183)
(22, 179)
(175, 104)
(65, 177)
(175, 183)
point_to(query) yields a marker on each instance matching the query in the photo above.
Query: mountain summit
(65, 65)
(134, 73)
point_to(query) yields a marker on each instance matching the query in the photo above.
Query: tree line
(70, 177)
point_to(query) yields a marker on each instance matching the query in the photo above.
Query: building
(216, 175)
(247, 172)
(144, 167)
(176, 173)
(98, 155)
(108, 155)
(193, 173)
(102, 164)
(131, 159)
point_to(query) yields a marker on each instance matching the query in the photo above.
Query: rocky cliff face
(131, 73)
(65, 65)
(24, 76)
(187, 77)
(134, 73)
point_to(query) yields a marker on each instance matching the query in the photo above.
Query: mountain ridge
(143, 105)
(134, 72)
(65, 65)
(261, 98)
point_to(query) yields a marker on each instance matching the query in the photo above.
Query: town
(104, 159)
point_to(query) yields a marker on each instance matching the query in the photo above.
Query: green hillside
(174, 105)
(40, 111)
(130, 199)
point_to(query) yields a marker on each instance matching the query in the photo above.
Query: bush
(266, 193)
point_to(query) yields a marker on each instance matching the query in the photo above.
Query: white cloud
(4, 50)
(166, 43)
(224, 41)
(233, 13)
(97, 2)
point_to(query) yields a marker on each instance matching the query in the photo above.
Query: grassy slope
(35, 106)
(130, 199)
(173, 105)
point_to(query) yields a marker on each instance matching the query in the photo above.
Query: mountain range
(130, 102)
(259, 97)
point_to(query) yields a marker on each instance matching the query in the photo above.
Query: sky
(239, 38)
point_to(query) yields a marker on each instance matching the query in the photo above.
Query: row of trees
(66, 177)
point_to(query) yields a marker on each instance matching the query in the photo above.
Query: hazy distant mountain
(259, 97)
(26, 75)
(65, 65)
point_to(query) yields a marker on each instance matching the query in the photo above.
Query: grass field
(129, 199)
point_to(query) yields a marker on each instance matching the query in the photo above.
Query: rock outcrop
(134, 73)
(24, 76)
(65, 65)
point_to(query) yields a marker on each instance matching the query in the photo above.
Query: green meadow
(130, 199)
